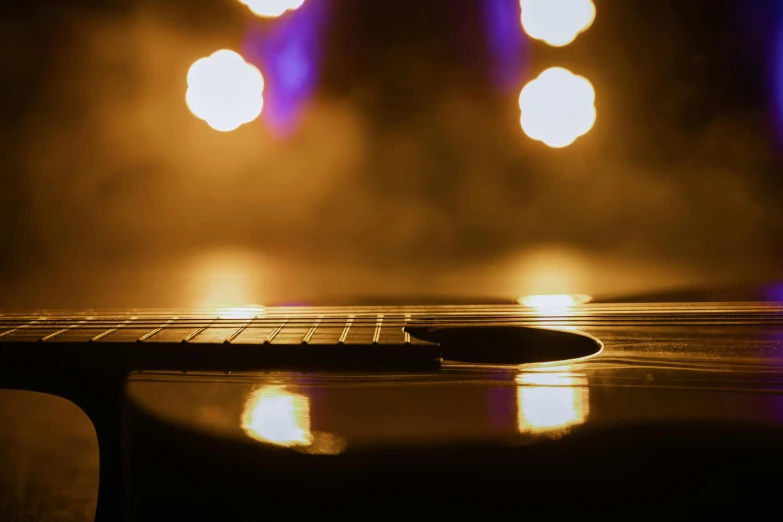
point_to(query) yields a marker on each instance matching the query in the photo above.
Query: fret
(154, 332)
(257, 332)
(362, 330)
(112, 330)
(294, 331)
(193, 334)
(310, 333)
(239, 330)
(13, 331)
(60, 332)
(344, 335)
(179, 330)
(407, 335)
(392, 330)
(377, 335)
(31, 332)
(276, 331)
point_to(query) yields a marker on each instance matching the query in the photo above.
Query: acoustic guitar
(247, 414)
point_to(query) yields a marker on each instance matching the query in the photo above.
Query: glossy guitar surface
(663, 405)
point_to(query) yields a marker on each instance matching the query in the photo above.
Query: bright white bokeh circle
(557, 107)
(225, 91)
(556, 22)
(272, 8)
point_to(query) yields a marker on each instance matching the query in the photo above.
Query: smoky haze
(408, 173)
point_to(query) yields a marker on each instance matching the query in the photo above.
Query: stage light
(557, 107)
(271, 8)
(225, 91)
(556, 22)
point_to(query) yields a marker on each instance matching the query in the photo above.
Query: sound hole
(507, 344)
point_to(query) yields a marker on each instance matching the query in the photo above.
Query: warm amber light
(557, 22)
(277, 416)
(557, 107)
(272, 8)
(551, 402)
(227, 280)
(554, 302)
(225, 91)
(241, 312)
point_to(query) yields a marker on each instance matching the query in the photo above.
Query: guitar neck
(343, 325)
(88, 343)
(236, 340)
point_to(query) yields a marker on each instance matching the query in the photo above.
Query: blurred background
(376, 150)
(389, 157)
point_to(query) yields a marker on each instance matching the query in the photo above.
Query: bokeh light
(556, 22)
(225, 91)
(272, 8)
(557, 107)
(226, 280)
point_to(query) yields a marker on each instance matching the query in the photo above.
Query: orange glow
(272, 8)
(228, 279)
(556, 22)
(557, 107)
(548, 269)
(279, 417)
(554, 302)
(241, 312)
(551, 402)
(225, 91)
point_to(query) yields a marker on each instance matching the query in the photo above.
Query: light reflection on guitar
(331, 402)
(279, 417)
(552, 402)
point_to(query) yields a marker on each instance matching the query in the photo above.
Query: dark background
(409, 173)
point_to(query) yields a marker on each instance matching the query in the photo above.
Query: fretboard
(214, 340)
(347, 325)
(268, 328)
(297, 337)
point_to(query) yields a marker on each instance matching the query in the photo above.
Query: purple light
(774, 292)
(286, 50)
(506, 42)
(502, 407)
(777, 69)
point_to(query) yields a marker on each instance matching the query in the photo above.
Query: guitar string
(364, 318)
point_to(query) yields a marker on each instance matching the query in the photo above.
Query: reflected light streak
(551, 402)
(272, 8)
(557, 107)
(279, 417)
(556, 22)
(225, 91)
(554, 302)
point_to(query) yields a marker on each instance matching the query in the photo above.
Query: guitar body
(644, 407)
